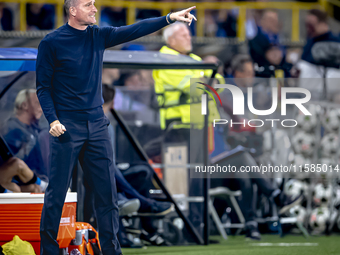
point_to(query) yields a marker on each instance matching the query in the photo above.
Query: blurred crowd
(264, 57)
(221, 23)
(264, 31)
(217, 23)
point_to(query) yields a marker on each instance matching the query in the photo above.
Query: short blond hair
(21, 98)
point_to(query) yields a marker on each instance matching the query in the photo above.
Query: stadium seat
(224, 192)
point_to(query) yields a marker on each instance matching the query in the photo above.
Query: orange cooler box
(20, 215)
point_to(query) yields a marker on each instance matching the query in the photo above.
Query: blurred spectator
(266, 37)
(227, 21)
(210, 26)
(40, 16)
(317, 31)
(130, 78)
(172, 86)
(135, 98)
(136, 93)
(113, 16)
(23, 131)
(243, 76)
(265, 49)
(243, 70)
(6, 18)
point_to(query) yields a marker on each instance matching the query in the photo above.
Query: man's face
(311, 25)
(134, 82)
(181, 40)
(270, 22)
(245, 78)
(34, 107)
(85, 12)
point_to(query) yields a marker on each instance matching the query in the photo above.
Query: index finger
(190, 8)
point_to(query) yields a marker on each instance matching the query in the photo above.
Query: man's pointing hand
(183, 15)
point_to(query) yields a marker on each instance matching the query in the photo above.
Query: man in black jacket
(265, 49)
(317, 31)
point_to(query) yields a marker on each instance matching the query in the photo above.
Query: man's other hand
(57, 128)
(183, 15)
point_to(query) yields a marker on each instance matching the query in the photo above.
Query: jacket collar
(167, 50)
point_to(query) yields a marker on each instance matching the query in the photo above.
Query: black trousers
(89, 142)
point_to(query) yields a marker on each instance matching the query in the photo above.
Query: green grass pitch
(270, 244)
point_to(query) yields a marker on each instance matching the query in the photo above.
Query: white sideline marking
(284, 244)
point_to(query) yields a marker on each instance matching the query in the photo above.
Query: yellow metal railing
(328, 6)
(166, 7)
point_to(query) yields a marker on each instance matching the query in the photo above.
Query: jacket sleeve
(117, 35)
(44, 74)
